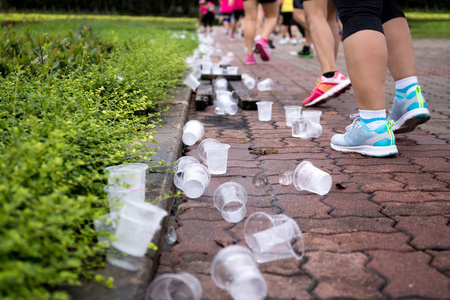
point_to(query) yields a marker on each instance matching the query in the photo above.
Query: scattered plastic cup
(196, 73)
(220, 84)
(248, 80)
(195, 180)
(128, 177)
(235, 269)
(193, 131)
(227, 103)
(232, 70)
(310, 178)
(217, 157)
(105, 225)
(264, 110)
(291, 110)
(202, 148)
(312, 115)
(217, 70)
(206, 67)
(230, 54)
(118, 195)
(180, 168)
(230, 199)
(265, 85)
(273, 237)
(181, 286)
(298, 126)
(286, 178)
(191, 82)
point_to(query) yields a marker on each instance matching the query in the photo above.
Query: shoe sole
(265, 56)
(368, 150)
(334, 92)
(410, 120)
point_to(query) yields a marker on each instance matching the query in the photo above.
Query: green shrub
(57, 134)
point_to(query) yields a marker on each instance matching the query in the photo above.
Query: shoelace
(356, 119)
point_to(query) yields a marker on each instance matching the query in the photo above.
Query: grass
(429, 25)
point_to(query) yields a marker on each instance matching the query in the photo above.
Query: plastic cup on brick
(180, 168)
(265, 85)
(221, 84)
(230, 54)
(313, 129)
(291, 110)
(217, 70)
(195, 180)
(248, 80)
(310, 178)
(217, 158)
(273, 237)
(232, 70)
(202, 148)
(312, 115)
(181, 286)
(191, 82)
(227, 103)
(230, 199)
(193, 131)
(235, 270)
(264, 110)
(298, 126)
(206, 67)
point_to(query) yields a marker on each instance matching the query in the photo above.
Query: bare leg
(367, 56)
(331, 19)
(251, 11)
(299, 17)
(271, 14)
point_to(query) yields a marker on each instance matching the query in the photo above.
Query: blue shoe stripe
(401, 93)
(367, 121)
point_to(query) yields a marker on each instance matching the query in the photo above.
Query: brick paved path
(383, 235)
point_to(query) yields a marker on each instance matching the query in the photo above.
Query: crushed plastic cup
(312, 115)
(202, 148)
(171, 235)
(106, 225)
(195, 180)
(220, 84)
(181, 286)
(273, 237)
(217, 70)
(180, 168)
(260, 179)
(226, 102)
(230, 199)
(231, 70)
(235, 270)
(206, 67)
(291, 110)
(265, 85)
(191, 82)
(264, 110)
(193, 131)
(286, 178)
(248, 80)
(217, 157)
(310, 178)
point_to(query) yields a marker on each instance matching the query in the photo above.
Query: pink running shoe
(327, 88)
(251, 60)
(263, 49)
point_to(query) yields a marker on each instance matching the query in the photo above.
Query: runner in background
(299, 17)
(238, 14)
(207, 12)
(225, 13)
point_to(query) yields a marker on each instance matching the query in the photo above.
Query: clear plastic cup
(286, 178)
(142, 168)
(231, 70)
(118, 195)
(202, 148)
(105, 225)
(273, 237)
(217, 70)
(264, 110)
(126, 177)
(265, 85)
(182, 286)
(230, 199)
(308, 177)
(217, 157)
(313, 130)
(230, 54)
(298, 126)
(195, 180)
(235, 269)
(291, 110)
(248, 80)
(221, 84)
(227, 103)
(193, 131)
(312, 115)
(206, 67)
(196, 73)
(180, 167)
(192, 82)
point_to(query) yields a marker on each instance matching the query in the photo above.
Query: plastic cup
(298, 126)
(230, 199)
(182, 286)
(196, 73)
(180, 168)
(196, 180)
(142, 168)
(118, 195)
(202, 148)
(265, 85)
(105, 225)
(192, 82)
(128, 177)
(291, 110)
(235, 269)
(273, 237)
(217, 70)
(231, 70)
(312, 115)
(220, 84)
(313, 129)
(230, 54)
(308, 177)
(193, 131)
(264, 110)
(227, 103)
(217, 158)
(206, 67)
(248, 80)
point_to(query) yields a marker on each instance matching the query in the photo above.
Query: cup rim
(226, 184)
(297, 169)
(188, 279)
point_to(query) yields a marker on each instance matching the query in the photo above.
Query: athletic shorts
(298, 4)
(357, 15)
(287, 18)
(265, 1)
(208, 19)
(226, 17)
(237, 14)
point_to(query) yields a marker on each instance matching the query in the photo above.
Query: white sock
(405, 86)
(373, 118)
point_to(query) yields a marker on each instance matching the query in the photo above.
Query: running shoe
(263, 49)
(305, 53)
(293, 41)
(409, 112)
(251, 60)
(379, 142)
(270, 43)
(231, 37)
(284, 41)
(327, 88)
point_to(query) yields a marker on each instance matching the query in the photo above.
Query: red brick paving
(383, 230)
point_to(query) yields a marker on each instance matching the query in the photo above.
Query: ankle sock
(372, 118)
(405, 86)
(329, 74)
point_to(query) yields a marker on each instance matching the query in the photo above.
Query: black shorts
(237, 14)
(265, 1)
(287, 18)
(357, 15)
(298, 4)
(208, 19)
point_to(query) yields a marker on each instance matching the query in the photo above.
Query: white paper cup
(231, 199)
(264, 110)
(192, 132)
(308, 177)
